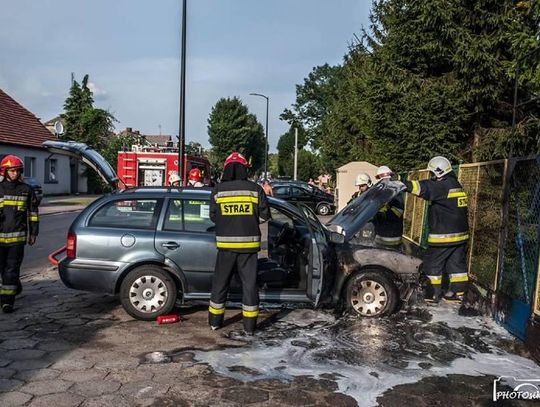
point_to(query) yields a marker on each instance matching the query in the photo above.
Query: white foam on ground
(284, 358)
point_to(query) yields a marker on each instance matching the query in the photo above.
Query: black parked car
(301, 192)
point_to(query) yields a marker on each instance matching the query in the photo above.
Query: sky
(131, 50)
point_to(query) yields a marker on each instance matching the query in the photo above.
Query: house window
(51, 171)
(29, 166)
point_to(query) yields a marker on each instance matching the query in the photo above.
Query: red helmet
(236, 158)
(10, 161)
(195, 175)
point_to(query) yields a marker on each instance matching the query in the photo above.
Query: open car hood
(87, 155)
(361, 210)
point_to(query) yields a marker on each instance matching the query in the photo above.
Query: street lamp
(266, 131)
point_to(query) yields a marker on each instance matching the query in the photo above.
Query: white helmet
(440, 166)
(174, 177)
(363, 179)
(384, 172)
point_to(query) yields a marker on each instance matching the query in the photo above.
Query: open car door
(317, 247)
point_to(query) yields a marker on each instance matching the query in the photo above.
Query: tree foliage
(89, 125)
(232, 128)
(309, 165)
(431, 78)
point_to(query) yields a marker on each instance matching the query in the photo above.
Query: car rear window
(195, 214)
(128, 214)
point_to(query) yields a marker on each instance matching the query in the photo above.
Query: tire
(371, 294)
(323, 209)
(147, 292)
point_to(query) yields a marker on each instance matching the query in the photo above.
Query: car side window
(197, 216)
(173, 217)
(295, 191)
(280, 217)
(282, 191)
(128, 214)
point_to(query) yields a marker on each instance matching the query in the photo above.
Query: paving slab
(14, 398)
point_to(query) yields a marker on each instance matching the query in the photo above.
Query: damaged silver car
(155, 248)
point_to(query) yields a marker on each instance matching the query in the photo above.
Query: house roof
(163, 139)
(19, 126)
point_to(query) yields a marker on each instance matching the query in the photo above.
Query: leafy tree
(232, 128)
(285, 161)
(313, 99)
(309, 165)
(88, 125)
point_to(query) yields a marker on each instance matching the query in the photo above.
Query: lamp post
(182, 115)
(266, 131)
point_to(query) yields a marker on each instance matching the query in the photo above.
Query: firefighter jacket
(447, 214)
(18, 213)
(237, 207)
(389, 223)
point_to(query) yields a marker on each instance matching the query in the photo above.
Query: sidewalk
(65, 203)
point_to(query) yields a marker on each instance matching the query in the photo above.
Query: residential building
(22, 134)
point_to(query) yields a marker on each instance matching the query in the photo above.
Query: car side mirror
(337, 238)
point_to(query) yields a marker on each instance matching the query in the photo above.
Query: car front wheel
(371, 294)
(323, 209)
(147, 292)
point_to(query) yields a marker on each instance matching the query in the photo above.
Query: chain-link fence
(504, 223)
(517, 277)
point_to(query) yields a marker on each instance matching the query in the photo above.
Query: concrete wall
(62, 184)
(345, 179)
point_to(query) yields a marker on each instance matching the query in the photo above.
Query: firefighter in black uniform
(389, 219)
(237, 206)
(19, 224)
(448, 230)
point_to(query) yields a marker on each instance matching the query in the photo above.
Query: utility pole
(182, 116)
(295, 153)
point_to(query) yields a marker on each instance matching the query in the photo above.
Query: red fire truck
(146, 166)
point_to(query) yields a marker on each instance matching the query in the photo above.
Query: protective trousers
(11, 258)
(246, 266)
(446, 261)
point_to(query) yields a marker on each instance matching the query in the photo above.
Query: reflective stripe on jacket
(237, 208)
(18, 213)
(447, 214)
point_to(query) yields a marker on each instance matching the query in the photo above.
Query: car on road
(155, 247)
(297, 192)
(36, 187)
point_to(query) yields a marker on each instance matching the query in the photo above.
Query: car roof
(190, 192)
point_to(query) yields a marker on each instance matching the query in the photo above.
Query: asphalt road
(52, 235)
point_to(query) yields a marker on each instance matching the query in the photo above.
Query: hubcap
(368, 298)
(323, 210)
(148, 294)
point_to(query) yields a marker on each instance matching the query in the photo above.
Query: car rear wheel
(323, 209)
(371, 294)
(147, 292)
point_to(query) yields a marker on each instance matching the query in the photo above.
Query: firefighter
(19, 224)
(389, 219)
(237, 206)
(174, 180)
(363, 182)
(195, 178)
(448, 230)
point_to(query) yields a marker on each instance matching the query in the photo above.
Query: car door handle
(170, 245)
